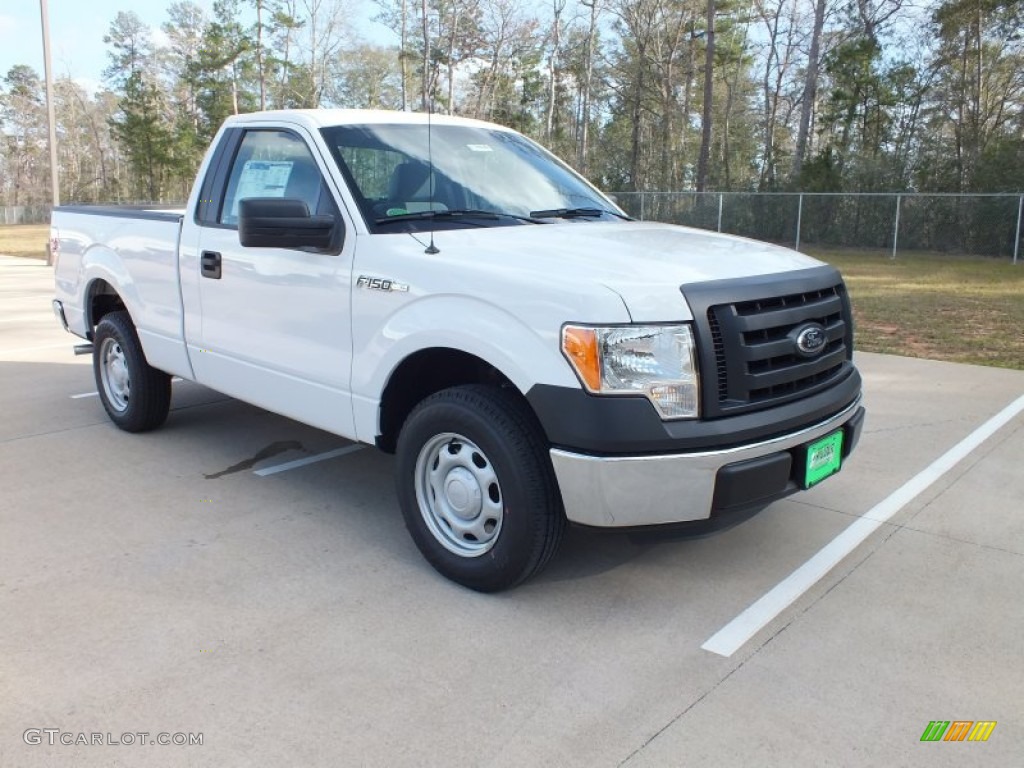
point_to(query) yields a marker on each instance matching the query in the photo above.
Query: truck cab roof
(324, 118)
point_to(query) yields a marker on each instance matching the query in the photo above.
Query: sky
(77, 28)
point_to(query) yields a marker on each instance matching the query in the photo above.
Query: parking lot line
(731, 637)
(308, 460)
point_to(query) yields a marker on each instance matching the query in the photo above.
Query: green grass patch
(964, 309)
(24, 240)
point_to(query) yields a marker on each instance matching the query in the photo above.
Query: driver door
(275, 322)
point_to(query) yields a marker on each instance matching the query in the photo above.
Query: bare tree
(458, 25)
(709, 84)
(328, 33)
(557, 8)
(427, 81)
(403, 58)
(396, 15)
(506, 34)
(260, 69)
(781, 24)
(810, 93)
(595, 7)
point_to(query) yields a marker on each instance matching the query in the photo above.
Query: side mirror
(277, 222)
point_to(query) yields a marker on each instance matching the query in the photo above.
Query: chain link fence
(980, 224)
(25, 214)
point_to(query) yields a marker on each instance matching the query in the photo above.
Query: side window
(273, 164)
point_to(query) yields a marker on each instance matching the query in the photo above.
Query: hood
(643, 262)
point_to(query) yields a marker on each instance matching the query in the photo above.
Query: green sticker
(397, 211)
(823, 458)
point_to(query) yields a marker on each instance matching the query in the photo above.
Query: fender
(158, 326)
(463, 323)
(102, 263)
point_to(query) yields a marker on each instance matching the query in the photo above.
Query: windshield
(476, 170)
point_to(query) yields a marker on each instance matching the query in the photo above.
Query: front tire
(476, 487)
(135, 395)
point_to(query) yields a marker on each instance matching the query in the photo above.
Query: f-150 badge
(381, 284)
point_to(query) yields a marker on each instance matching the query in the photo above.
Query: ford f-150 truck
(451, 292)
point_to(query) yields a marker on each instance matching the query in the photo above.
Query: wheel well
(422, 374)
(103, 299)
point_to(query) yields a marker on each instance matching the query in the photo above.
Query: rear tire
(135, 395)
(477, 489)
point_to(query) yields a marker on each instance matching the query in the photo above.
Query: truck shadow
(220, 442)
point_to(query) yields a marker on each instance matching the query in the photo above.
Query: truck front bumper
(634, 491)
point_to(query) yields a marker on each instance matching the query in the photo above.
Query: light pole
(50, 114)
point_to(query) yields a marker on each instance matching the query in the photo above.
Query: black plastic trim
(702, 297)
(610, 426)
(212, 193)
(746, 483)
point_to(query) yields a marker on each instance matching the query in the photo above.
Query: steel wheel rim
(458, 495)
(114, 374)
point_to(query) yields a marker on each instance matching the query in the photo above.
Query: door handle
(209, 265)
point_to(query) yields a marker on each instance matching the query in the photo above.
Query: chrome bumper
(624, 491)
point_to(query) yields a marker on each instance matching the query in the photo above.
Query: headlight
(658, 361)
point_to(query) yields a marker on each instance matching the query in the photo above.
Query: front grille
(747, 332)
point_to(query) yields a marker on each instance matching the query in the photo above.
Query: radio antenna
(431, 249)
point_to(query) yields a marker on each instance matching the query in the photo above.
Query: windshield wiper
(575, 213)
(455, 213)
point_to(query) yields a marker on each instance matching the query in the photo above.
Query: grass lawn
(24, 240)
(959, 308)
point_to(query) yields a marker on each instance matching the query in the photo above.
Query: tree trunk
(635, 139)
(259, 54)
(403, 60)
(453, 36)
(426, 57)
(810, 90)
(557, 6)
(588, 86)
(771, 100)
(709, 83)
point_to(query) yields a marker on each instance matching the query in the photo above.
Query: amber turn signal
(580, 347)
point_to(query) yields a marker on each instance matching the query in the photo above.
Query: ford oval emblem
(811, 340)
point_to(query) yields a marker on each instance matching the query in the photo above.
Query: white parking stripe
(737, 632)
(308, 460)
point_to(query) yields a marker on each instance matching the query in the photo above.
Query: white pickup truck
(453, 293)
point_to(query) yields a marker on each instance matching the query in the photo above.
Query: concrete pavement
(153, 583)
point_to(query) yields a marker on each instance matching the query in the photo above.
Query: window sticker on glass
(479, 148)
(262, 178)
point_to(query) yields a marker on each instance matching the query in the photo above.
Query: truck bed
(134, 248)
